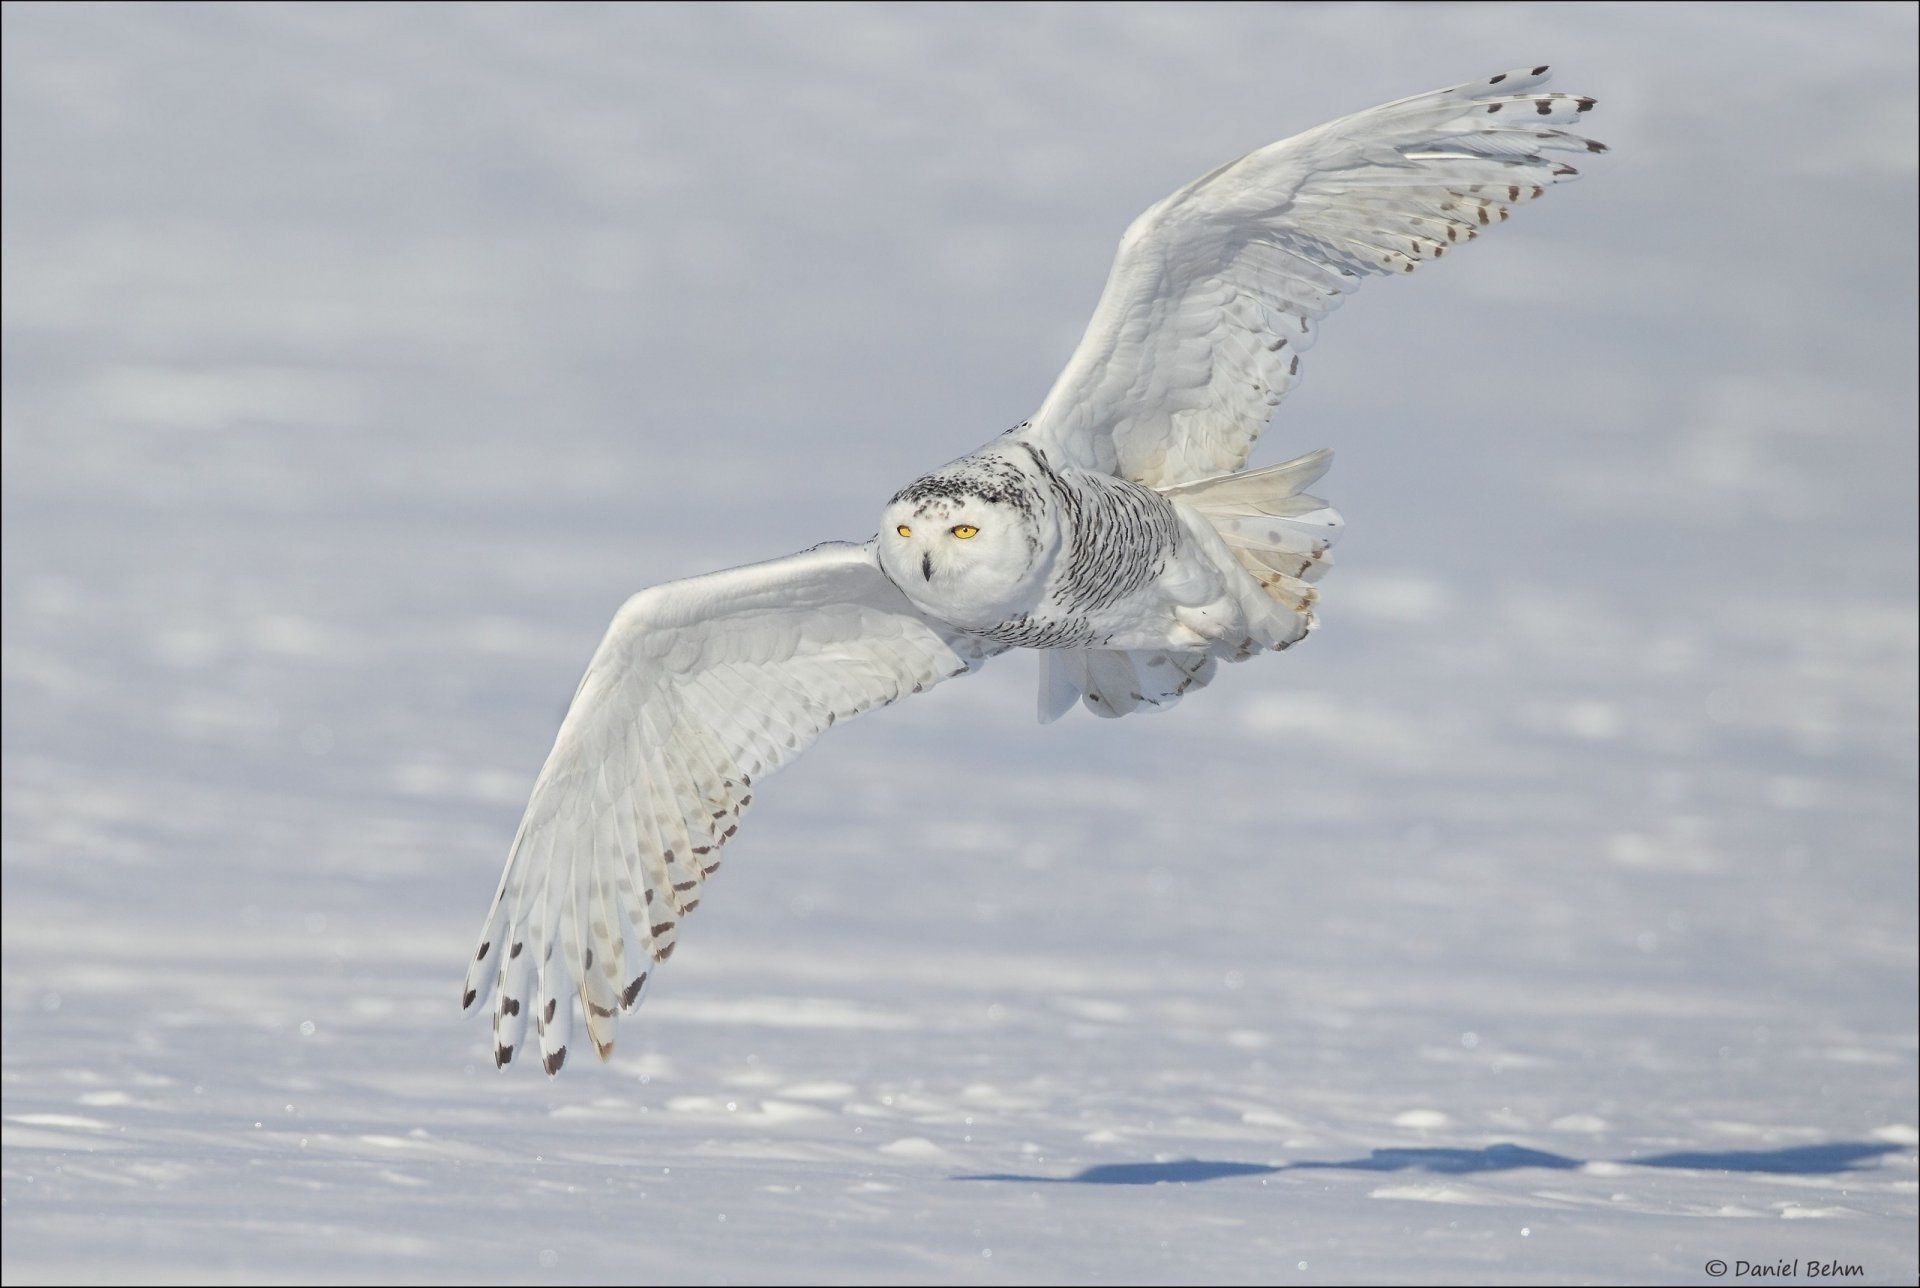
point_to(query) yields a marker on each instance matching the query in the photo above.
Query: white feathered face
(962, 557)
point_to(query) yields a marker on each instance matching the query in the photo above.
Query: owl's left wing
(1216, 290)
(700, 689)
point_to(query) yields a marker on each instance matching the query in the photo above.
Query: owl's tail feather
(1276, 530)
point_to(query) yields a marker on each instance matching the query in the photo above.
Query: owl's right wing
(700, 688)
(1216, 290)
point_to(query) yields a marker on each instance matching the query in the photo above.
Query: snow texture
(1552, 913)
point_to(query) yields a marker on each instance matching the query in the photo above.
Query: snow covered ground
(1548, 917)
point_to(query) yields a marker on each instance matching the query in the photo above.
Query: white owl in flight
(1114, 531)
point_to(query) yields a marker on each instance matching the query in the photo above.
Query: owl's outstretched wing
(1215, 291)
(700, 689)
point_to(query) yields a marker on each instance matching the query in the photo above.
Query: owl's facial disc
(963, 553)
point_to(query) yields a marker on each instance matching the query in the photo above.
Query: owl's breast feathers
(1115, 539)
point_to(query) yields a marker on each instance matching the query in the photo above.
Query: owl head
(971, 543)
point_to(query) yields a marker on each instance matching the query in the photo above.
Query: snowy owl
(1114, 531)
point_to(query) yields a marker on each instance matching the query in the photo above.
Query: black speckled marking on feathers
(994, 480)
(1027, 631)
(1122, 536)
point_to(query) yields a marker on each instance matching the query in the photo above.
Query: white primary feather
(1216, 290)
(700, 688)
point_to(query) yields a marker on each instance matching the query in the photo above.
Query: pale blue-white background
(1548, 916)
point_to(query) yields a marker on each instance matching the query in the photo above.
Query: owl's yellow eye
(904, 530)
(965, 530)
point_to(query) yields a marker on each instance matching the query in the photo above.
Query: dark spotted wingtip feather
(552, 1063)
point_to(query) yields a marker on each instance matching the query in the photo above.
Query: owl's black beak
(926, 566)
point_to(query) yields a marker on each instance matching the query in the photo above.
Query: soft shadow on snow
(1801, 1160)
(1187, 1169)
